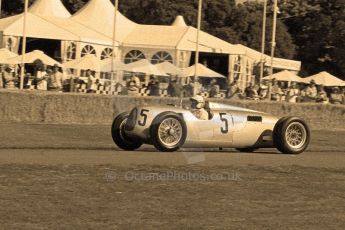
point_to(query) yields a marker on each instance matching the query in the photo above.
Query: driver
(198, 109)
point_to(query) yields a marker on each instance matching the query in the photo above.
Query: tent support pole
(0, 8)
(22, 68)
(113, 56)
(197, 47)
(263, 41)
(275, 11)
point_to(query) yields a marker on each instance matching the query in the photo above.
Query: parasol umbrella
(5, 54)
(169, 68)
(202, 71)
(143, 66)
(285, 76)
(109, 63)
(325, 78)
(86, 62)
(32, 57)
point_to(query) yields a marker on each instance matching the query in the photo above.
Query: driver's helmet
(199, 101)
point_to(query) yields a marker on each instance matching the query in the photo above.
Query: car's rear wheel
(168, 132)
(291, 135)
(119, 135)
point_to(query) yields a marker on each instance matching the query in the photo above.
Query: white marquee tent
(93, 25)
(49, 19)
(49, 8)
(177, 37)
(37, 27)
(83, 33)
(207, 43)
(99, 16)
(279, 63)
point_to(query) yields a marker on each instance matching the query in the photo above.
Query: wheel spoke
(295, 135)
(170, 131)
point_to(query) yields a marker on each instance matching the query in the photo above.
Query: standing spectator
(56, 79)
(310, 92)
(233, 89)
(198, 84)
(188, 89)
(204, 62)
(8, 78)
(174, 89)
(194, 85)
(72, 80)
(133, 85)
(27, 77)
(91, 82)
(99, 83)
(276, 91)
(42, 77)
(263, 90)
(336, 96)
(121, 88)
(322, 95)
(153, 87)
(251, 93)
(293, 93)
(214, 88)
(2, 69)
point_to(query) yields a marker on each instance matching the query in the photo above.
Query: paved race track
(72, 177)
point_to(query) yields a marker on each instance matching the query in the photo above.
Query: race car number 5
(225, 128)
(143, 115)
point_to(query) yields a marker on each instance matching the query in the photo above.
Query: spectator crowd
(294, 92)
(52, 78)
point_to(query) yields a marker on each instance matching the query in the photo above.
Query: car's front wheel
(291, 135)
(168, 132)
(119, 136)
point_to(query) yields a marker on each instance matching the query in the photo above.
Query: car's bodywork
(228, 126)
(171, 127)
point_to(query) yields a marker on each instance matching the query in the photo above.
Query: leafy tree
(246, 21)
(317, 29)
(13, 7)
(74, 5)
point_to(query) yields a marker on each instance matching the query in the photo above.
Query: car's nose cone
(130, 124)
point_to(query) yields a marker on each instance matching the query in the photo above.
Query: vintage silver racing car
(169, 128)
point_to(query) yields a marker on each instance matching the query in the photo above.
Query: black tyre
(168, 132)
(291, 135)
(118, 134)
(246, 150)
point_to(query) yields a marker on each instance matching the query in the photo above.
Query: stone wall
(60, 108)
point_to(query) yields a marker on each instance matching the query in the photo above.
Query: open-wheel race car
(169, 128)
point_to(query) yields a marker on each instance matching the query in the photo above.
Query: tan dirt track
(72, 177)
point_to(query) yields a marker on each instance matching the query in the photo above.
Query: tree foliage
(318, 29)
(246, 20)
